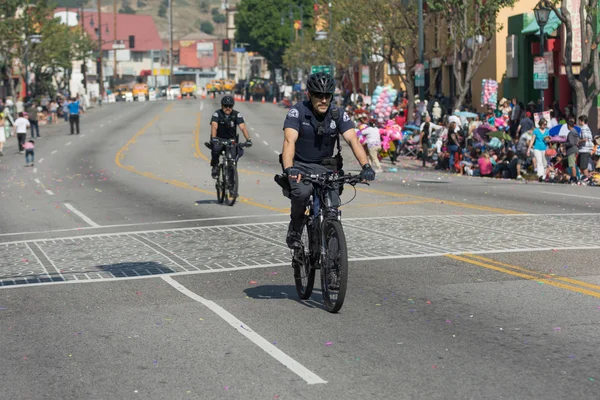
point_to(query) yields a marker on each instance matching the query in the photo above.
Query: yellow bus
(139, 89)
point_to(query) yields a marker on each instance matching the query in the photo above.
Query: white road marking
(41, 161)
(201, 106)
(251, 128)
(53, 151)
(265, 142)
(50, 192)
(81, 215)
(307, 375)
(573, 195)
(37, 181)
(83, 134)
(102, 126)
(34, 170)
(68, 144)
(256, 134)
(149, 223)
(276, 152)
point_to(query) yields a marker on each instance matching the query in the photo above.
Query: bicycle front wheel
(334, 271)
(220, 185)
(304, 273)
(231, 188)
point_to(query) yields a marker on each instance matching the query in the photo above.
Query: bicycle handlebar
(328, 179)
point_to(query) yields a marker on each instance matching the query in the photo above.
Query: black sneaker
(293, 239)
(214, 172)
(333, 281)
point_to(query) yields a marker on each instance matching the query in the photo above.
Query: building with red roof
(136, 36)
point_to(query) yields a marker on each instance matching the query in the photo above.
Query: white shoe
(519, 177)
(379, 170)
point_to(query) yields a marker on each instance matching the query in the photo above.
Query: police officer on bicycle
(224, 123)
(312, 131)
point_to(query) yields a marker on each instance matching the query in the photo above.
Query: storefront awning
(553, 23)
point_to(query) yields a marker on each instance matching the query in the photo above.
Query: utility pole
(227, 37)
(100, 79)
(170, 42)
(331, 39)
(84, 65)
(115, 41)
(421, 45)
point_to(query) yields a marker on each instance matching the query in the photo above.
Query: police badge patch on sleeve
(346, 117)
(293, 113)
(215, 114)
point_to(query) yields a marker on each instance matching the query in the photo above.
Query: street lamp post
(421, 47)
(542, 14)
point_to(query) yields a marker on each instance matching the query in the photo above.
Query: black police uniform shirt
(227, 125)
(310, 146)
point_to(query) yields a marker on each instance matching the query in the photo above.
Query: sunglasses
(227, 106)
(320, 96)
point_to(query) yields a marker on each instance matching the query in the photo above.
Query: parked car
(162, 91)
(174, 90)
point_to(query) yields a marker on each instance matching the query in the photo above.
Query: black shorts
(584, 160)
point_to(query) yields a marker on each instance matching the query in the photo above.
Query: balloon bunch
(383, 101)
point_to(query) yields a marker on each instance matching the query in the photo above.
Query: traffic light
(226, 45)
(131, 42)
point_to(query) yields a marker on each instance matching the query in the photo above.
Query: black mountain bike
(323, 242)
(227, 178)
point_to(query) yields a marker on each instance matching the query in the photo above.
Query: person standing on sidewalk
(32, 115)
(74, 115)
(20, 127)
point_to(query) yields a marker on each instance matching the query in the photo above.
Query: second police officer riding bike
(224, 144)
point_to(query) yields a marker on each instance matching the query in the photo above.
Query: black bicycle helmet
(227, 101)
(320, 83)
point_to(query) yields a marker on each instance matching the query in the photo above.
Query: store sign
(549, 56)
(420, 75)
(364, 74)
(512, 65)
(540, 73)
(436, 62)
(320, 68)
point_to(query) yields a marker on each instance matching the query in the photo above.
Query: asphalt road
(121, 278)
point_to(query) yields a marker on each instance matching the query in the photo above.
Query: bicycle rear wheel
(304, 273)
(334, 271)
(220, 185)
(231, 187)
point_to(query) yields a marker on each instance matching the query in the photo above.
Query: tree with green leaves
(389, 35)
(471, 26)
(218, 18)
(259, 23)
(206, 27)
(32, 33)
(343, 46)
(203, 6)
(127, 10)
(587, 84)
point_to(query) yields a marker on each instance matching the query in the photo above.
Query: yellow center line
(120, 156)
(440, 201)
(525, 276)
(549, 276)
